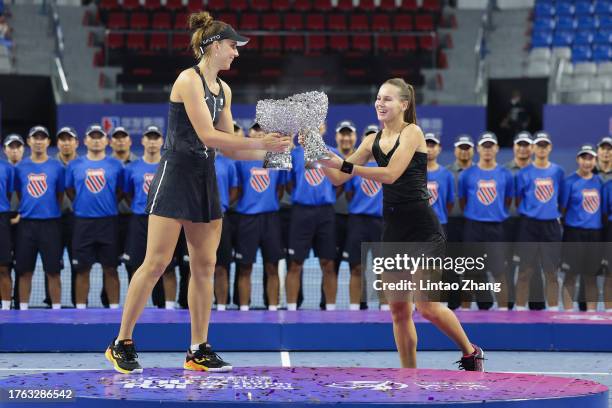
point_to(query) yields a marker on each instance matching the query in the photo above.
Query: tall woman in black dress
(401, 153)
(183, 193)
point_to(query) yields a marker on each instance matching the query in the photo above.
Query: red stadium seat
(322, 6)
(131, 4)
(406, 43)
(409, 6)
(381, 22)
(387, 5)
(139, 21)
(367, 5)
(336, 22)
(249, 22)
(339, 42)
(315, 22)
(136, 42)
(428, 43)
(152, 4)
(238, 5)
(216, 5)
(424, 22)
(161, 21)
(174, 5)
(294, 43)
(302, 5)
(181, 41)
(293, 21)
(432, 6)
(181, 21)
(114, 41)
(385, 43)
(271, 22)
(345, 5)
(316, 43)
(260, 5)
(362, 43)
(359, 22)
(229, 18)
(402, 22)
(194, 6)
(108, 5)
(117, 20)
(159, 42)
(271, 43)
(253, 44)
(281, 5)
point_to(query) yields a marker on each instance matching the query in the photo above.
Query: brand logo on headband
(211, 39)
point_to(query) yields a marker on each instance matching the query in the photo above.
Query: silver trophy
(314, 111)
(278, 116)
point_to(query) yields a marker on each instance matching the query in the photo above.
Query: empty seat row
(570, 23)
(547, 9)
(563, 38)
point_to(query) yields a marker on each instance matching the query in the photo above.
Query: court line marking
(285, 359)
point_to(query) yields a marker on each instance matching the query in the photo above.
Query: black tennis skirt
(185, 187)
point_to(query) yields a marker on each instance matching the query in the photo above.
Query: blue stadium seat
(541, 39)
(544, 10)
(565, 23)
(563, 39)
(586, 23)
(584, 8)
(602, 53)
(603, 37)
(584, 38)
(581, 53)
(543, 23)
(605, 22)
(564, 9)
(603, 7)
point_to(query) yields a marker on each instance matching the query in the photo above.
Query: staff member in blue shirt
(39, 183)
(581, 202)
(538, 189)
(6, 257)
(312, 224)
(607, 208)
(94, 183)
(485, 192)
(440, 183)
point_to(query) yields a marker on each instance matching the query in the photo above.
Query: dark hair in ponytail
(406, 94)
(203, 25)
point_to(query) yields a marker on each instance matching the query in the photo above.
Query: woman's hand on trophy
(275, 142)
(301, 139)
(333, 162)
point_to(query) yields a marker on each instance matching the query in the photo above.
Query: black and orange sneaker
(473, 362)
(205, 359)
(123, 357)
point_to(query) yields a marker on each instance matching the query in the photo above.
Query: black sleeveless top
(181, 136)
(412, 184)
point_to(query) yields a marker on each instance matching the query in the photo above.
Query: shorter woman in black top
(183, 193)
(401, 153)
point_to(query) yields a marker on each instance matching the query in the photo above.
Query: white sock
(6, 305)
(552, 309)
(81, 306)
(521, 308)
(56, 306)
(273, 308)
(607, 310)
(330, 306)
(169, 304)
(244, 308)
(23, 306)
(502, 309)
(354, 306)
(385, 307)
(464, 309)
(114, 305)
(221, 308)
(291, 306)
(194, 348)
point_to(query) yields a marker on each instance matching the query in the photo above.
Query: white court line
(285, 359)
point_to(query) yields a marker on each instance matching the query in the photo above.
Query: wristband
(347, 167)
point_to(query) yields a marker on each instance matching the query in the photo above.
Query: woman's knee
(400, 311)
(429, 310)
(154, 266)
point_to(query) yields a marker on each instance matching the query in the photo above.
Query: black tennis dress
(407, 215)
(185, 184)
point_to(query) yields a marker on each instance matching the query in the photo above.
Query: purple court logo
(370, 187)
(368, 385)
(195, 382)
(260, 179)
(314, 177)
(432, 187)
(95, 180)
(147, 178)
(590, 200)
(544, 189)
(37, 185)
(487, 191)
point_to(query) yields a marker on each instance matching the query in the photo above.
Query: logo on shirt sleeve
(260, 179)
(487, 191)
(314, 177)
(95, 180)
(590, 200)
(147, 178)
(370, 187)
(37, 185)
(544, 189)
(432, 187)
